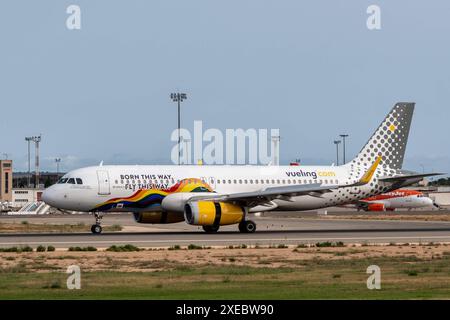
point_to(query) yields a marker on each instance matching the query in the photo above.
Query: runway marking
(228, 240)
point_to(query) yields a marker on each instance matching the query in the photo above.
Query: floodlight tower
(337, 142)
(276, 150)
(36, 140)
(57, 160)
(29, 139)
(178, 98)
(343, 136)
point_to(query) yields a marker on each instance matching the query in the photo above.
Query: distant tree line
(441, 182)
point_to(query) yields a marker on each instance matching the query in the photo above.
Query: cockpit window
(71, 180)
(79, 181)
(63, 180)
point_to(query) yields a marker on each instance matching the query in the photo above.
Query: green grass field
(401, 278)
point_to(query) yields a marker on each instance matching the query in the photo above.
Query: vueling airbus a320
(213, 196)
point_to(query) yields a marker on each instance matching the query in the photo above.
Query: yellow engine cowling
(158, 217)
(208, 213)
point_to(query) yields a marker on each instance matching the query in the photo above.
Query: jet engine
(210, 213)
(376, 207)
(158, 217)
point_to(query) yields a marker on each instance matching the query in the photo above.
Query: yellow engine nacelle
(208, 213)
(158, 217)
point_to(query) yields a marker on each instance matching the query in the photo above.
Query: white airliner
(397, 199)
(212, 196)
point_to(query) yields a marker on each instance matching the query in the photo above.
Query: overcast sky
(310, 68)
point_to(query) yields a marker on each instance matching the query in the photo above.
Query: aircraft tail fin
(389, 140)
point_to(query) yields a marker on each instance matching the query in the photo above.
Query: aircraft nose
(48, 196)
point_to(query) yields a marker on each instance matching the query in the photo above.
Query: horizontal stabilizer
(401, 178)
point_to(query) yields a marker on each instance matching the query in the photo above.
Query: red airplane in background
(397, 199)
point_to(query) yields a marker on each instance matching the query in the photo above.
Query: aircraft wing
(283, 192)
(261, 197)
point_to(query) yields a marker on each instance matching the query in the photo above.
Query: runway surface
(270, 231)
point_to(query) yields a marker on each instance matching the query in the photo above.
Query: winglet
(369, 173)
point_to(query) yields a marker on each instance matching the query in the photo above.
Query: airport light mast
(343, 136)
(178, 97)
(57, 160)
(276, 150)
(36, 140)
(29, 139)
(336, 142)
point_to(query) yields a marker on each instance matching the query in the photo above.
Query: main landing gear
(97, 228)
(247, 226)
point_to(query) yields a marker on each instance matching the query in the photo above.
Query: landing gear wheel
(96, 229)
(247, 226)
(211, 229)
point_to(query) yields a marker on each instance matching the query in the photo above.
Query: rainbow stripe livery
(147, 198)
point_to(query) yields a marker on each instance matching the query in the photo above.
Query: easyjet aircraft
(212, 196)
(397, 199)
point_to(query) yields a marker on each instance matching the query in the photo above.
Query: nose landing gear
(97, 228)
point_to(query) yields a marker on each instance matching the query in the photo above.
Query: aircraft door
(103, 182)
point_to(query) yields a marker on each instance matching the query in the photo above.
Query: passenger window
(240, 181)
(234, 181)
(71, 181)
(224, 181)
(229, 181)
(218, 181)
(278, 181)
(251, 181)
(245, 181)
